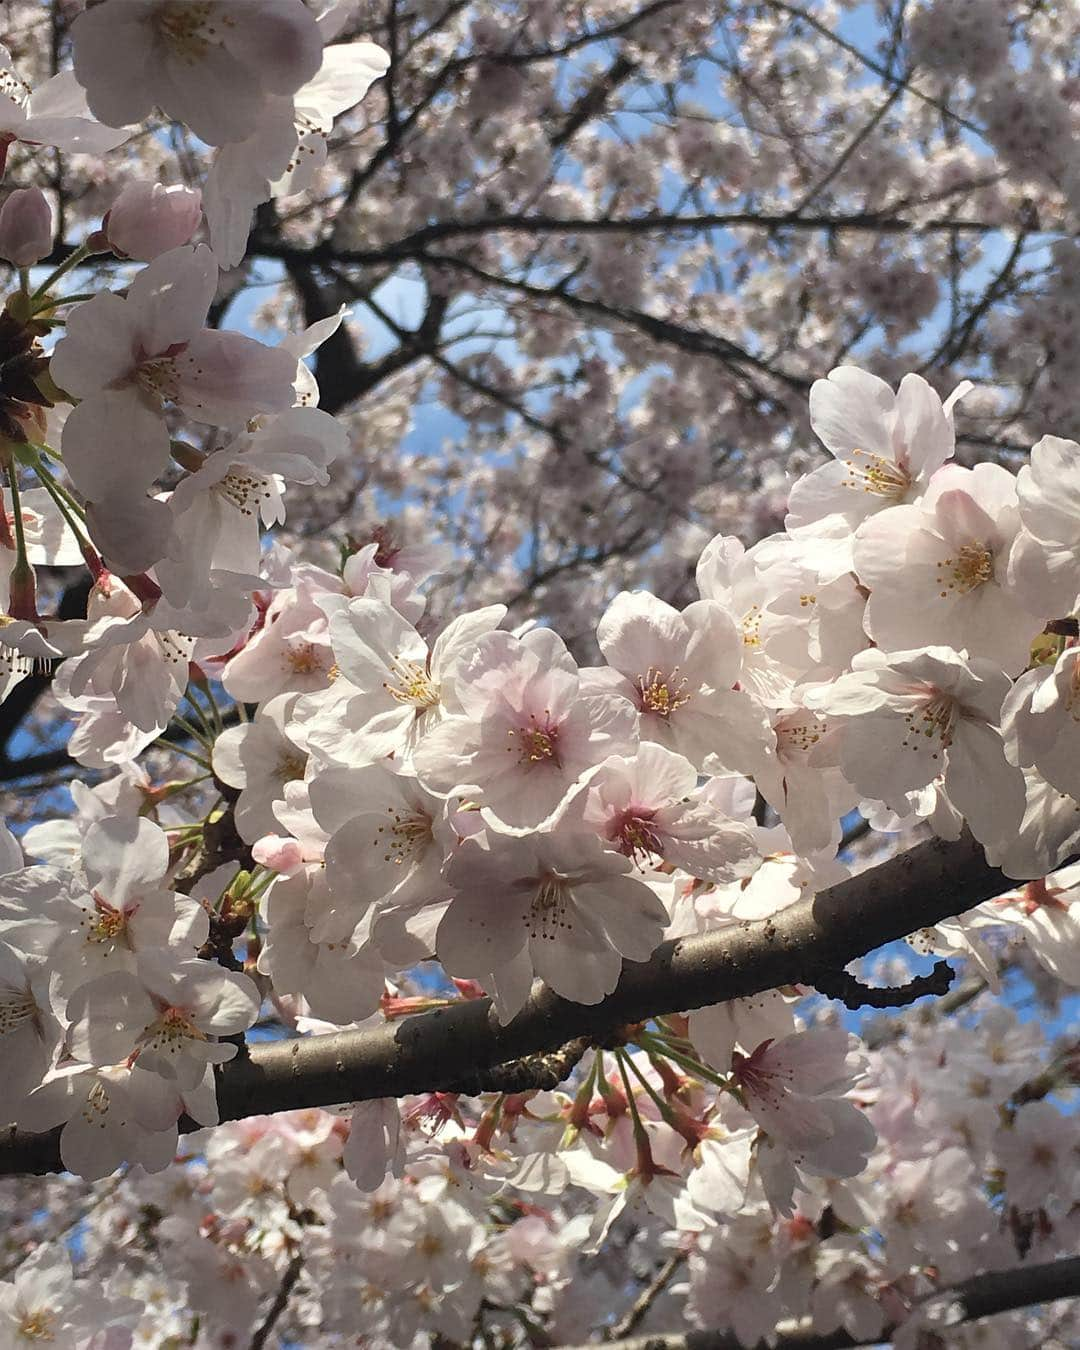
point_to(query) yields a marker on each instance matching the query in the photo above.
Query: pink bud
(150, 218)
(280, 854)
(26, 227)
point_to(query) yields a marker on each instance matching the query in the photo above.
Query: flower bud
(26, 227)
(150, 218)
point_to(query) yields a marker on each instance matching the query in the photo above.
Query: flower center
(404, 836)
(751, 622)
(972, 566)
(186, 30)
(13, 88)
(303, 658)
(16, 1007)
(38, 1325)
(96, 1106)
(291, 767)
(245, 491)
(936, 718)
(661, 694)
(539, 742)
(412, 684)
(547, 912)
(105, 923)
(158, 378)
(876, 475)
(168, 1034)
(635, 835)
(797, 737)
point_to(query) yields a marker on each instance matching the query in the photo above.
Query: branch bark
(996, 1291)
(436, 1050)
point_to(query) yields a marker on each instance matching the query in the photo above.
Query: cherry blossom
(530, 727)
(212, 65)
(571, 912)
(680, 671)
(296, 644)
(55, 113)
(908, 718)
(886, 446)
(951, 586)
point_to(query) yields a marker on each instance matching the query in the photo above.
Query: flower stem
(74, 259)
(22, 602)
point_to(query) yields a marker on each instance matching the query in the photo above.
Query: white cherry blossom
(213, 64)
(570, 914)
(886, 446)
(908, 718)
(938, 571)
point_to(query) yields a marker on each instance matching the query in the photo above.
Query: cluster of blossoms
(373, 789)
(533, 1214)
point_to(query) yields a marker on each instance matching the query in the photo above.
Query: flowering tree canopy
(540, 543)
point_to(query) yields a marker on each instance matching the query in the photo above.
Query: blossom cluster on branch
(358, 787)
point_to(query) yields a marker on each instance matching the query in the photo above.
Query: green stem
(65, 506)
(200, 760)
(640, 1135)
(73, 259)
(65, 300)
(22, 600)
(692, 1066)
(204, 721)
(191, 730)
(215, 710)
(661, 1105)
(16, 511)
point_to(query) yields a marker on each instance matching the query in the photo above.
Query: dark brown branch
(593, 101)
(996, 1291)
(664, 223)
(281, 1299)
(852, 993)
(531, 1073)
(433, 1051)
(639, 1309)
(342, 377)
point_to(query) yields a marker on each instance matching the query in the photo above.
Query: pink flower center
(538, 742)
(634, 833)
(661, 694)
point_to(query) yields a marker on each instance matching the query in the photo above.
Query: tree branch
(409, 246)
(281, 1299)
(996, 1291)
(433, 1051)
(639, 1309)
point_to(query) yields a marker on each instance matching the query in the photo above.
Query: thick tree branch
(436, 1050)
(996, 1291)
(886, 221)
(342, 376)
